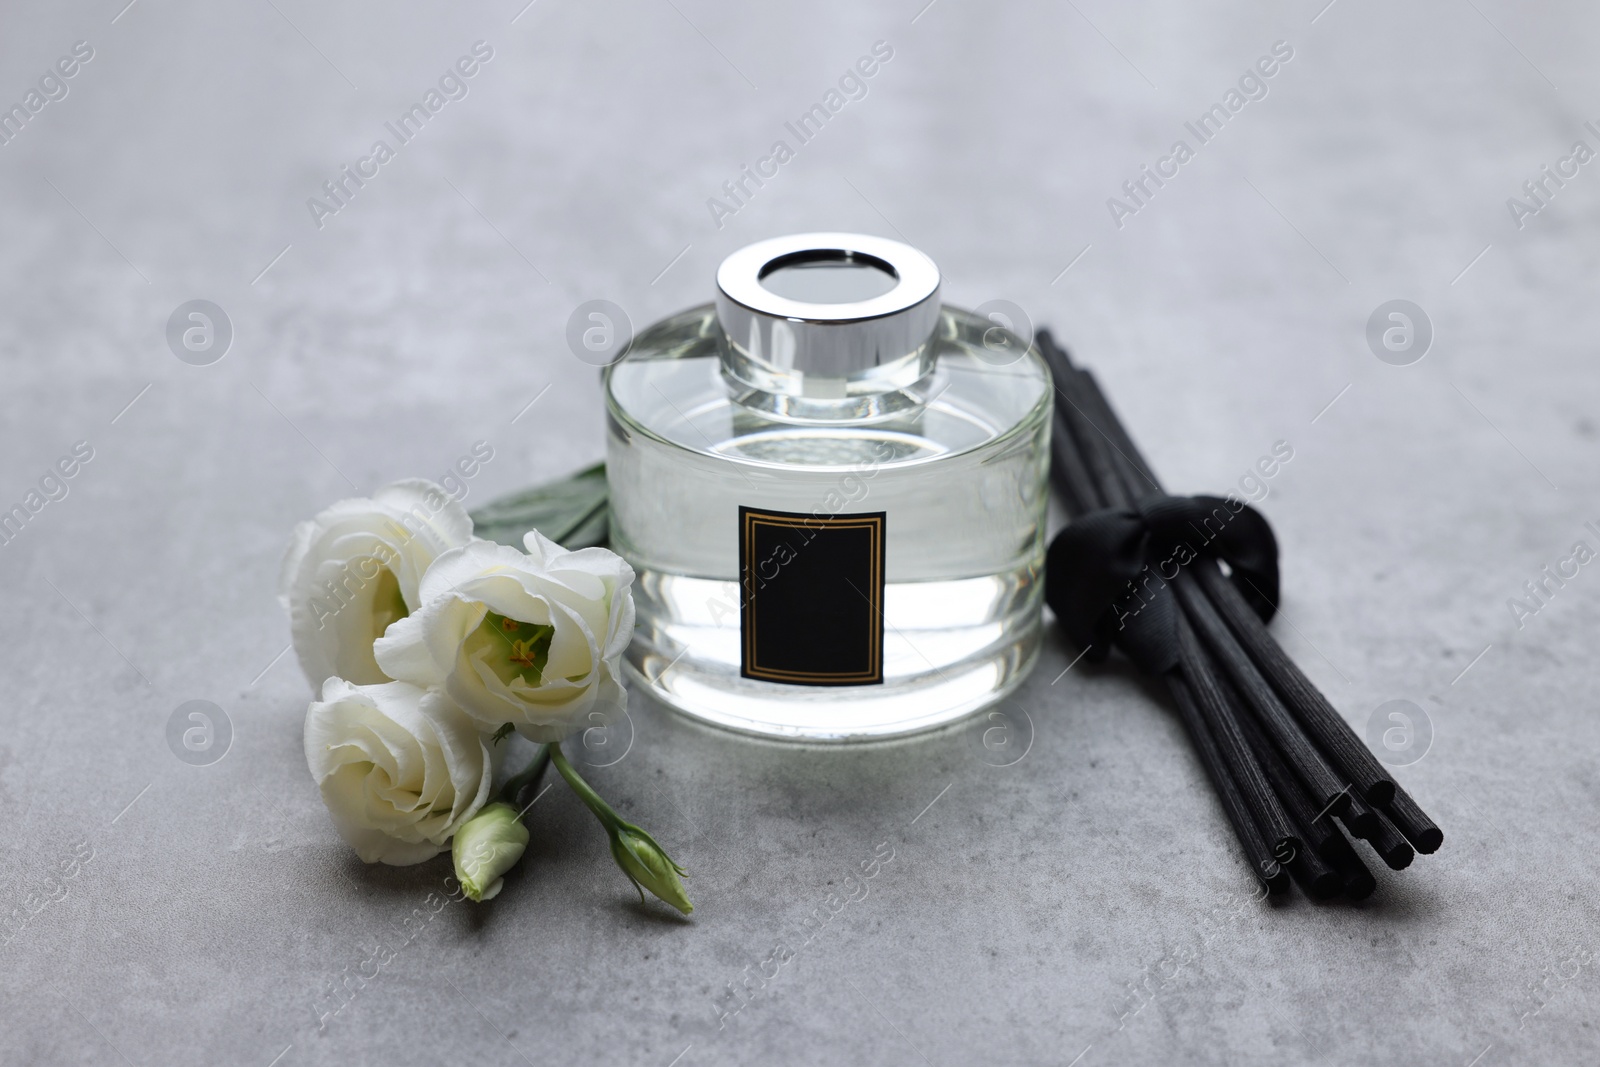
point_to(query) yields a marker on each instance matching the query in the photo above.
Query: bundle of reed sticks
(1287, 768)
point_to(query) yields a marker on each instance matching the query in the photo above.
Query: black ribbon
(1107, 573)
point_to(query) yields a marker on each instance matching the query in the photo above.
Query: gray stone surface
(1024, 904)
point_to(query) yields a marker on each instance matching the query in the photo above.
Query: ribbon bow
(1107, 572)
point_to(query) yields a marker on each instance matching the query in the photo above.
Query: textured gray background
(1026, 903)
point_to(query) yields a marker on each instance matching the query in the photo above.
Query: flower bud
(646, 864)
(487, 846)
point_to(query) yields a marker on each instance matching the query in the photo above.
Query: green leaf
(574, 512)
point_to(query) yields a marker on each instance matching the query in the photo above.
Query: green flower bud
(487, 846)
(647, 864)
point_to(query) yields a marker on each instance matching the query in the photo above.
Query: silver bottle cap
(828, 315)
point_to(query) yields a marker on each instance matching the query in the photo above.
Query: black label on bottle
(812, 610)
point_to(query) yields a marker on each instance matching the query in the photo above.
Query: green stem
(602, 811)
(527, 777)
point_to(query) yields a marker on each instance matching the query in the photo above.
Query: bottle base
(834, 714)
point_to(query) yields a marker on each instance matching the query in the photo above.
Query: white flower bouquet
(430, 644)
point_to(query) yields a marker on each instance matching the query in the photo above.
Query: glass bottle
(832, 489)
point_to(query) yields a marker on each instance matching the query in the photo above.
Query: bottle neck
(791, 394)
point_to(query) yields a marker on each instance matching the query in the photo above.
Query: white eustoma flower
(400, 768)
(356, 568)
(533, 639)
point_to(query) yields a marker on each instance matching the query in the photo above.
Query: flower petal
(402, 653)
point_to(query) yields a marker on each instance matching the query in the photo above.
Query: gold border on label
(874, 594)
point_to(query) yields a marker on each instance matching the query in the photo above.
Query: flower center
(388, 605)
(513, 650)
